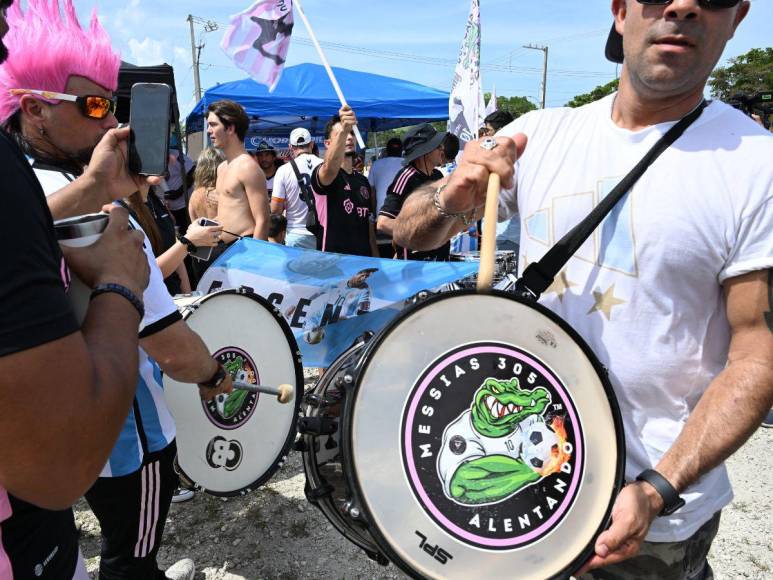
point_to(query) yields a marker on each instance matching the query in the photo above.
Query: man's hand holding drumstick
(440, 210)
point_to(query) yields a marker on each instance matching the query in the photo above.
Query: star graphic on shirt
(605, 301)
(561, 285)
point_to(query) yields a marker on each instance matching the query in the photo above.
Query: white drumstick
(284, 393)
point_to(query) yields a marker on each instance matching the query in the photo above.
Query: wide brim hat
(420, 141)
(614, 48)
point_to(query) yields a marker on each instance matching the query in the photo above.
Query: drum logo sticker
(232, 410)
(492, 446)
(224, 453)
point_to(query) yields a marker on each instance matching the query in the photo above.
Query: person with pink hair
(56, 100)
(55, 376)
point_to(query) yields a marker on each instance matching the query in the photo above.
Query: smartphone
(149, 118)
(204, 252)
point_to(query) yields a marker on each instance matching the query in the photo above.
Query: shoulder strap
(306, 194)
(537, 277)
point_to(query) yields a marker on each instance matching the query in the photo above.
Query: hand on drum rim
(637, 505)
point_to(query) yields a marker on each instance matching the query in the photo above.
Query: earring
(42, 131)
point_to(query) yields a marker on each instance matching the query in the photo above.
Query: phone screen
(149, 121)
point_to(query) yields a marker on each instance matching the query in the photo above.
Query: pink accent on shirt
(5, 512)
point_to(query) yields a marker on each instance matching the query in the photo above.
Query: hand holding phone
(205, 234)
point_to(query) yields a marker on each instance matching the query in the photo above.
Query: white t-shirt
(381, 176)
(160, 312)
(645, 290)
(286, 187)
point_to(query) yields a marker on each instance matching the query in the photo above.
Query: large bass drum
(235, 443)
(479, 437)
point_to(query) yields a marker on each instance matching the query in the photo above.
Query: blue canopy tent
(305, 97)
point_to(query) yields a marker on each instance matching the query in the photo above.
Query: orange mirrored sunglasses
(91, 106)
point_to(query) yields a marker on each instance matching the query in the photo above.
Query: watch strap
(672, 501)
(216, 380)
(188, 244)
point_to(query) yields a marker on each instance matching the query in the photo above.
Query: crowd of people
(674, 299)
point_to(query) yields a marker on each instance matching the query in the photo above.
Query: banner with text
(327, 299)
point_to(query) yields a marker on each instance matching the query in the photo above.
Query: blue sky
(414, 40)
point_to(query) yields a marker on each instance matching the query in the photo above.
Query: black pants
(132, 511)
(41, 544)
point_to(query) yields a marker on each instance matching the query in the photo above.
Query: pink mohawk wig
(46, 46)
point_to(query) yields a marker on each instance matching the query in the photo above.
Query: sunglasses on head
(91, 106)
(710, 4)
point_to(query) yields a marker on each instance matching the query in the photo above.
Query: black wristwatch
(188, 244)
(672, 501)
(216, 380)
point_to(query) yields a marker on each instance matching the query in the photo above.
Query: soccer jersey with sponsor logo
(645, 290)
(344, 208)
(408, 180)
(155, 428)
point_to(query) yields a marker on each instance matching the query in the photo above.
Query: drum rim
(299, 385)
(311, 467)
(601, 371)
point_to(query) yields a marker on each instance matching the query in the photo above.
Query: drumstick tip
(286, 393)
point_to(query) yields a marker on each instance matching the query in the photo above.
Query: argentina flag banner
(327, 299)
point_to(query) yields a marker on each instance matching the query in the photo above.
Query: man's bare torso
(233, 209)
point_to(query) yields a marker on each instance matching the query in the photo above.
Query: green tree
(751, 72)
(516, 106)
(599, 92)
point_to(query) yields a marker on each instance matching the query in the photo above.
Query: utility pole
(209, 26)
(196, 80)
(544, 49)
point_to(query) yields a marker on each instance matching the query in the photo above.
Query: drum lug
(316, 401)
(353, 510)
(345, 381)
(301, 445)
(317, 425)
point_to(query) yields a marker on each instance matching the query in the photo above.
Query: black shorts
(41, 544)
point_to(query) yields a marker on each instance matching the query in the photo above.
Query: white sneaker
(182, 570)
(181, 495)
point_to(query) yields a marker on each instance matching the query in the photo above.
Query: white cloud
(146, 52)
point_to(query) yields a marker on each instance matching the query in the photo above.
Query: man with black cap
(672, 292)
(265, 155)
(423, 154)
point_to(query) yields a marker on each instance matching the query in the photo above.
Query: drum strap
(537, 277)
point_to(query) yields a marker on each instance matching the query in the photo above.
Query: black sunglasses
(710, 4)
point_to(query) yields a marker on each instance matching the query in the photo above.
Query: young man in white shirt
(287, 196)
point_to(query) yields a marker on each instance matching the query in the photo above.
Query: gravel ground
(274, 533)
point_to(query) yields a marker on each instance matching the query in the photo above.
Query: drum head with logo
(236, 442)
(485, 439)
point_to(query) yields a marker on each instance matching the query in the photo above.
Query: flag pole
(329, 70)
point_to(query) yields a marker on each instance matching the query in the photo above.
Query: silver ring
(488, 143)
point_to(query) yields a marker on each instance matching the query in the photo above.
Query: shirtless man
(241, 184)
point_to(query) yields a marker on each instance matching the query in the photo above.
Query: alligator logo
(229, 411)
(492, 446)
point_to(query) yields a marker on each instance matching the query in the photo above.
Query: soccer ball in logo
(537, 445)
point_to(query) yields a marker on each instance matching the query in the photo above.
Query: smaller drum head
(236, 442)
(486, 440)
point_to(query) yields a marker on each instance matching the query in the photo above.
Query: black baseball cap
(614, 49)
(419, 141)
(265, 146)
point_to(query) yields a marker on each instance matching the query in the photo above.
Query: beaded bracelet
(467, 220)
(121, 291)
